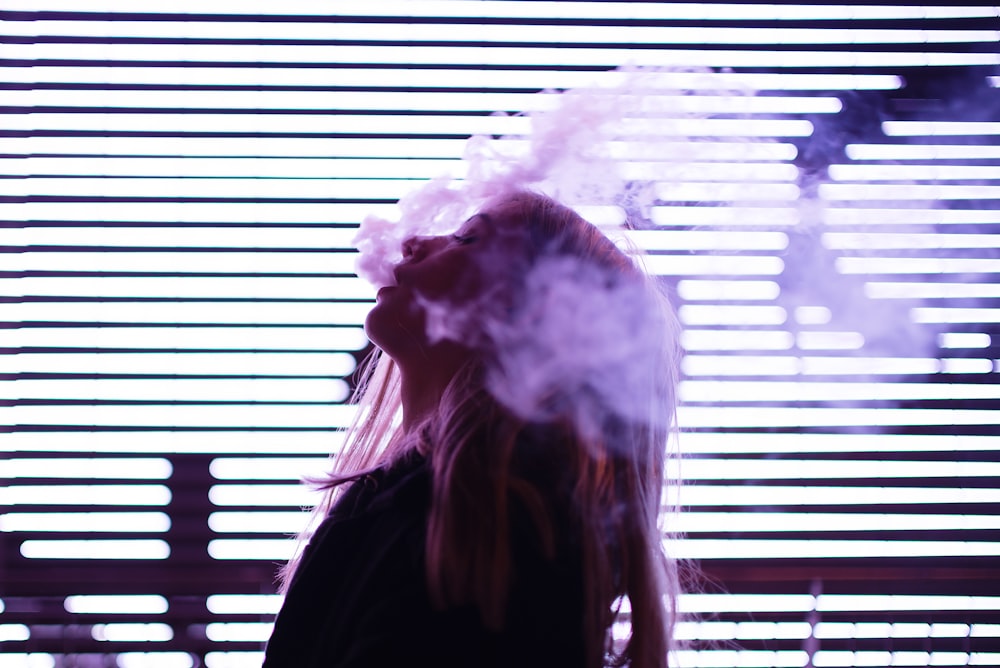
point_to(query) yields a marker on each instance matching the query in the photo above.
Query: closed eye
(464, 238)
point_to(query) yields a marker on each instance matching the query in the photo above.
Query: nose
(417, 248)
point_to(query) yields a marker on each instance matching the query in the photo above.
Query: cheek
(454, 281)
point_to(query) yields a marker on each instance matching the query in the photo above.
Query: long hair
(474, 443)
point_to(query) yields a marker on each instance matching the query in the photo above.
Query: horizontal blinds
(181, 186)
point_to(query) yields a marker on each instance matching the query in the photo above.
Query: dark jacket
(359, 597)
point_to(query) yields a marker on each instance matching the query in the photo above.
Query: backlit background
(180, 186)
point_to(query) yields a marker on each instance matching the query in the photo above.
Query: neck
(422, 385)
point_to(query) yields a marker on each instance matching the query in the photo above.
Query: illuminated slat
(244, 604)
(708, 265)
(690, 417)
(770, 365)
(263, 495)
(935, 290)
(85, 495)
(208, 441)
(309, 364)
(14, 633)
(116, 605)
(373, 124)
(259, 522)
(499, 32)
(829, 340)
(702, 315)
(271, 468)
(828, 549)
(662, 240)
(911, 241)
(181, 237)
(812, 315)
(693, 290)
(732, 443)
(792, 391)
(508, 9)
(132, 632)
(271, 549)
(95, 549)
(689, 522)
(154, 660)
(239, 631)
(908, 216)
(261, 262)
(160, 389)
(313, 416)
(180, 338)
(797, 495)
(194, 212)
(442, 78)
(886, 602)
(659, 99)
(169, 313)
(795, 469)
(723, 339)
(938, 128)
(909, 191)
(964, 339)
(500, 55)
(190, 287)
(725, 192)
(721, 603)
(86, 522)
(132, 468)
(887, 630)
(917, 265)
(233, 659)
(741, 630)
(922, 152)
(913, 172)
(955, 315)
(728, 216)
(829, 658)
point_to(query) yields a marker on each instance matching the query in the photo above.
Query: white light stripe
(966, 365)
(797, 469)
(710, 265)
(394, 124)
(171, 389)
(239, 631)
(908, 216)
(913, 172)
(270, 468)
(955, 315)
(188, 442)
(513, 9)
(85, 495)
(743, 340)
(244, 604)
(886, 630)
(827, 549)
(884, 602)
(195, 212)
(14, 632)
(789, 495)
(742, 631)
(722, 603)
(308, 364)
(693, 290)
(985, 631)
(95, 549)
(132, 632)
(86, 522)
(812, 315)
(938, 128)
(154, 660)
(728, 216)
(922, 152)
(180, 338)
(793, 391)
(917, 265)
(662, 240)
(730, 443)
(486, 33)
(691, 417)
(660, 99)
(313, 416)
(770, 365)
(495, 55)
(692, 522)
(140, 604)
(726, 192)
(288, 523)
(273, 549)
(260, 262)
(170, 313)
(909, 191)
(131, 468)
(263, 495)
(241, 659)
(908, 241)
(935, 290)
(829, 340)
(965, 339)
(189, 287)
(702, 315)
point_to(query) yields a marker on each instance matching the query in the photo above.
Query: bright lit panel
(95, 549)
(180, 338)
(100, 522)
(124, 604)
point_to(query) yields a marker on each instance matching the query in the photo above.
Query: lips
(383, 290)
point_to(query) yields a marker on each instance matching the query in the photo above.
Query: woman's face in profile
(455, 275)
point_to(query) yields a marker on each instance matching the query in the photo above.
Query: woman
(507, 514)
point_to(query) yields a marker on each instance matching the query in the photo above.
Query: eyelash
(468, 239)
